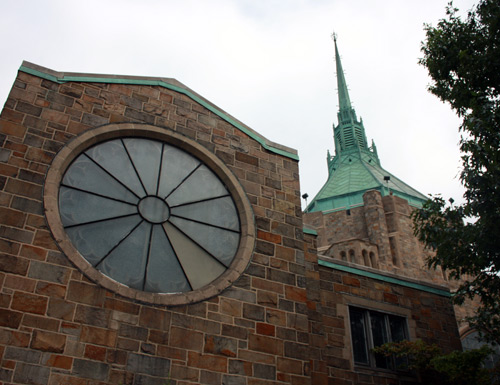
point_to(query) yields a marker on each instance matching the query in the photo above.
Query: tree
(433, 367)
(463, 60)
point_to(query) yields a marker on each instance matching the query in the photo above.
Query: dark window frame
(371, 328)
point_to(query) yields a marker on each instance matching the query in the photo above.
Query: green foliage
(418, 353)
(433, 368)
(463, 60)
(464, 367)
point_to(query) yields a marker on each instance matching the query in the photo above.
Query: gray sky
(269, 63)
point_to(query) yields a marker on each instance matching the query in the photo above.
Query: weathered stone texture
(284, 321)
(79, 330)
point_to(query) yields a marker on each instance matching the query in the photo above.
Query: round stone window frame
(79, 144)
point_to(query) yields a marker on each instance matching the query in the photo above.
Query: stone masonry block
(263, 371)
(59, 308)
(48, 342)
(13, 129)
(94, 316)
(31, 374)
(154, 318)
(10, 319)
(29, 303)
(265, 344)
(90, 369)
(133, 332)
(86, 293)
(49, 272)
(221, 345)
(98, 336)
(208, 362)
(11, 217)
(23, 355)
(186, 339)
(298, 351)
(17, 235)
(10, 264)
(228, 379)
(253, 312)
(154, 366)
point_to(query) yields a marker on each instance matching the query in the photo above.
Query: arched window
(373, 259)
(351, 256)
(365, 258)
(343, 256)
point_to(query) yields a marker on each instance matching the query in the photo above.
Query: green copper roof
(355, 168)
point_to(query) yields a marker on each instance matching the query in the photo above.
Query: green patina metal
(157, 82)
(385, 278)
(355, 168)
(307, 230)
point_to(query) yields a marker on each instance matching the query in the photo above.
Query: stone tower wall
(384, 222)
(330, 293)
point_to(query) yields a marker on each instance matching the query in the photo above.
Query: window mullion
(389, 339)
(370, 343)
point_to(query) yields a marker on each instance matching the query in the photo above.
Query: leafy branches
(433, 367)
(463, 60)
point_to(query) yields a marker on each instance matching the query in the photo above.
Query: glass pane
(200, 267)
(127, 263)
(86, 175)
(218, 212)
(397, 326)
(164, 273)
(202, 184)
(222, 244)
(78, 207)
(111, 192)
(146, 157)
(113, 157)
(176, 166)
(358, 335)
(95, 240)
(380, 337)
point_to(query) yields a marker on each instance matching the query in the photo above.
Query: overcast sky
(269, 63)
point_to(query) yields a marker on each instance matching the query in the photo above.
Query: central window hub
(154, 209)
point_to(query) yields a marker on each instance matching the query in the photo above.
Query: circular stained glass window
(149, 215)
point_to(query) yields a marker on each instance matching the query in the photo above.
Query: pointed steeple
(355, 168)
(350, 133)
(344, 100)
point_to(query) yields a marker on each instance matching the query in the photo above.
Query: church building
(148, 237)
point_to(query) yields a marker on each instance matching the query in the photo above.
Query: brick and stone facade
(380, 235)
(283, 321)
(382, 226)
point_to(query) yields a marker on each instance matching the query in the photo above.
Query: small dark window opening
(370, 329)
(365, 258)
(352, 257)
(373, 259)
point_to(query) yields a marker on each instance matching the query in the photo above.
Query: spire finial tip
(334, 37)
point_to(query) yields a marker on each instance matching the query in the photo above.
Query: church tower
(355, 168)
(362, 212)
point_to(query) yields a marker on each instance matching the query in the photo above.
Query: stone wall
(284, 321)
(382, 221)
(57, 326)
(331, 290)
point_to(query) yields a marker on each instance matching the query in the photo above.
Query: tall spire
(355, 168)
(344, 100)
(349, 134)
